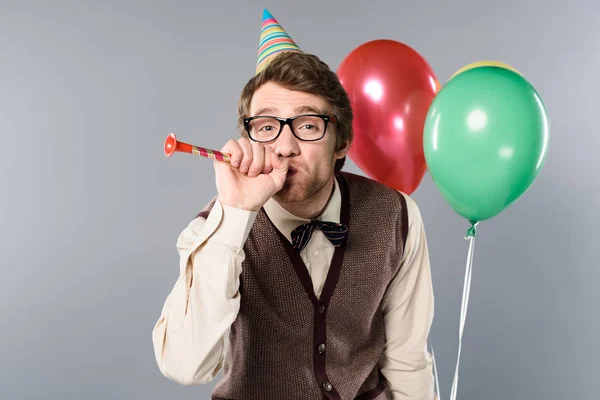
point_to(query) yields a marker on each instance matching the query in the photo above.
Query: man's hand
(256, 173)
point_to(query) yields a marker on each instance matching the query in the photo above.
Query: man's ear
(343, 150)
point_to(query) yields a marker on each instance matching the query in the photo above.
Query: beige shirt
(191, 336)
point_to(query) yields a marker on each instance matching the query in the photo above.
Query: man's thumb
(280, 164)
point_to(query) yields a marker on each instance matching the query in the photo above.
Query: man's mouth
(291, 172)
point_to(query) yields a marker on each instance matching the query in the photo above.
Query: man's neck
(314, 206)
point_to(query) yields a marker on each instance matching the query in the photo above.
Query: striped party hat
(273, 40)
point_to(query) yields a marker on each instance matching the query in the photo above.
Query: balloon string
(464, 306)
(435, 374)
(471, 234)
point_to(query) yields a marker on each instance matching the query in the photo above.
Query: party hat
(273, 40)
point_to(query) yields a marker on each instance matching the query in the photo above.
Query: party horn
(172, 145)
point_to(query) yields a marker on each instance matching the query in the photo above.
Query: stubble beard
(298, 190)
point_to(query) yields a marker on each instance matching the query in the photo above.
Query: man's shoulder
(376, 193)
(371, 187)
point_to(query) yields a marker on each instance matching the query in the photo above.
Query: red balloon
(391, 88)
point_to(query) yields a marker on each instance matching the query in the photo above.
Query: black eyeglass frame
(288, 121)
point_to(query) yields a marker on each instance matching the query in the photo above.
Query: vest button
(327, 386)
(322, 308)
(321, 348)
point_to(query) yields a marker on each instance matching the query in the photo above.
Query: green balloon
(485, 140)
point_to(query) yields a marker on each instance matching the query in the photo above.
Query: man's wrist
(234, 227)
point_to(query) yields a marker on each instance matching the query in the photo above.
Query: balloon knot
(472, 232)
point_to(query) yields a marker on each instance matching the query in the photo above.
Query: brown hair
(306, 73)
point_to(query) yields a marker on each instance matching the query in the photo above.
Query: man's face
(311, 163)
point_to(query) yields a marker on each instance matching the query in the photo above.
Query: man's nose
(286, 144)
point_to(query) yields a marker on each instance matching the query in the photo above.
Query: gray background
(91, 208)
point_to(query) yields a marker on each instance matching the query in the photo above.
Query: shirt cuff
(234, 227)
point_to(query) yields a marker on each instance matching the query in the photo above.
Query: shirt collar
(286, 222)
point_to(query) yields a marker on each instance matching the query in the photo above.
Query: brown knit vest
(287, 344)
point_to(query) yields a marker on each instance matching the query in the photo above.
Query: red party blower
(172, 145)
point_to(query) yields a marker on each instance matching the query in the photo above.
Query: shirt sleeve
(190, 338)
(408, 308)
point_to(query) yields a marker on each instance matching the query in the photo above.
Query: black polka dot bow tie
(333, 231)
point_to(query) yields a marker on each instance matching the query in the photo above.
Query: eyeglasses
(306, 127)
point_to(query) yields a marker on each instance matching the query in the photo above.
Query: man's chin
(288, 195)
(297, 191)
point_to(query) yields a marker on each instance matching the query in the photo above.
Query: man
(298, 280)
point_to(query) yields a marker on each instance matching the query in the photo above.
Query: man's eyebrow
(307, 109)
(298, 110)
(265, 111)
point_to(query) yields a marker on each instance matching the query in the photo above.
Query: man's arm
(191, 336)
(408, 309)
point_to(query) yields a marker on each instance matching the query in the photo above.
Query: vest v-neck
(338, 255)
